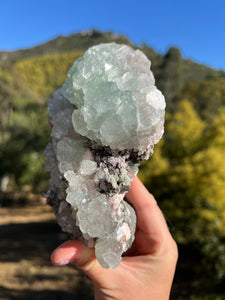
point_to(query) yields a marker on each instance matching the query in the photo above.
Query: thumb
(76, 253)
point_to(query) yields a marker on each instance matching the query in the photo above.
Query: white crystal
(108, 252)
(88, 167)
(94, 217)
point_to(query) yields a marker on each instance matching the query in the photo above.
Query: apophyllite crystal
(105, 120)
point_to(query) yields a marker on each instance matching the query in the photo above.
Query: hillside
(74, 42)
(79, 42)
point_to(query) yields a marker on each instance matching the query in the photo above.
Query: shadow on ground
(29, 240)
(40, 295)
(25, 268)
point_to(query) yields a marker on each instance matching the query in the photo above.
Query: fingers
(76, 253)
(150, 219)
(73, 251)
(139, 196)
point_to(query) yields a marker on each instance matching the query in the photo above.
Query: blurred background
(185, 42)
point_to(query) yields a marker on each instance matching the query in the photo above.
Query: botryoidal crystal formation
(105, 120)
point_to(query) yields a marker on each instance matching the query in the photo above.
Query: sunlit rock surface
(105, 120)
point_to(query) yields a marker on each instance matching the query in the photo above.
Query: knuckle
(88, 266)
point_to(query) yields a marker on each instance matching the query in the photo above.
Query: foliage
(170, 80)
(47, 73)
(21, 153)
(207, 96)
(197, 72)
(5, 99)
(189, 183)
(183, 131)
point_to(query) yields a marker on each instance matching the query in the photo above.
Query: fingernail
(63, 256)
(64, 263)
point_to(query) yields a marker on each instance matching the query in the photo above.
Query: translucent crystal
(108, 252)
(94, 217)
(117, 88)
(105, 120)
(88, 167)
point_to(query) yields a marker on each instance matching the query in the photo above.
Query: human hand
(146, 270)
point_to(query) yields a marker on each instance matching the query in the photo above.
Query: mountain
(43, 68)
(74, 42)
(161, 64)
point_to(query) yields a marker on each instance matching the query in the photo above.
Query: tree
(183, 131)
(170, 81)
(189, 184)
(6, 94)
(207, 96)
(45, 74)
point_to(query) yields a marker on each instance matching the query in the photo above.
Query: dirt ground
(27, 237)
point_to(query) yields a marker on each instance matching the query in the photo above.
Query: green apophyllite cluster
(117, 102)
(105, 121)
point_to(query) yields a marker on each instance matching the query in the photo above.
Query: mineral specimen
(105, 120)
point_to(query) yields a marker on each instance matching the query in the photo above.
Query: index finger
(149, 216)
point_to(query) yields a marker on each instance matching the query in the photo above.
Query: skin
(146, 271)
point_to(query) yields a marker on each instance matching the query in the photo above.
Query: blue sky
(197, 27)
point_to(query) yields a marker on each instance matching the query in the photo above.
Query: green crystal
(112, 87)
